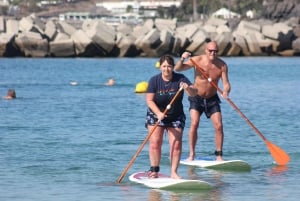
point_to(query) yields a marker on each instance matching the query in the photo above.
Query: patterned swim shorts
(178, 122)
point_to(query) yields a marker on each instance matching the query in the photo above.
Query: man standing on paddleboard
(207, 100)
(165, 113)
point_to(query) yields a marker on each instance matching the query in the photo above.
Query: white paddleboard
(225, 165)
(167, 183)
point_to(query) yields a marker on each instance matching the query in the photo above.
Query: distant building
(114, 20)
(48, 3)
(225, 14)
(126, 18)
(117, 7)
(78, 16)
(4, 3)
(118, 12)
(250, 14)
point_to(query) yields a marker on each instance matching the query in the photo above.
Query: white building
(117, 7)
(250, 14)
(119, 11)
(225, 14)
(4, 2)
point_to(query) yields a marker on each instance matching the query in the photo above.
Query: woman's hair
(167, 58)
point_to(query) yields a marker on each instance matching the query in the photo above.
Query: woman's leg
(155, 144)
(175, 142)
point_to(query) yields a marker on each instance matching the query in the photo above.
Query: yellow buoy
(157, 64)
(141, 87)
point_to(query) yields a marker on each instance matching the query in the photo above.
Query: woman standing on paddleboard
(163, 89)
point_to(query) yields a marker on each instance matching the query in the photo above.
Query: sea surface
(68, 137)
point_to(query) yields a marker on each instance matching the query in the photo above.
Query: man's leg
(216, 119)
(193, 135)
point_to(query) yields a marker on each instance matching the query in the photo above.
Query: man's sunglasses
(210, 51)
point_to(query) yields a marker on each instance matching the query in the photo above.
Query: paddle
(280, 156)
(147, 138)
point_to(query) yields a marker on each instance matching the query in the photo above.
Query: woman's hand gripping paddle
(147, 138)
(280, 156)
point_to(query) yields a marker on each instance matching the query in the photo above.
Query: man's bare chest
(212, 72)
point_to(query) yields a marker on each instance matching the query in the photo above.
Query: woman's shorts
(178, 122)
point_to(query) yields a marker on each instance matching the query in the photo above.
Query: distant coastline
(31, 37)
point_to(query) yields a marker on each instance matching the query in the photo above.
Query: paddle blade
(280, 156)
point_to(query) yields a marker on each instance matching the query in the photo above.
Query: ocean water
(67, 142)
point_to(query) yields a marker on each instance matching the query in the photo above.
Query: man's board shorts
(178, 122)
(208, 106)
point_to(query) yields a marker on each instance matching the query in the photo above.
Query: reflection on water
(278, 170)
(212, 176)
(161, 195)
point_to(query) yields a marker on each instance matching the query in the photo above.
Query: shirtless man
(207, 100)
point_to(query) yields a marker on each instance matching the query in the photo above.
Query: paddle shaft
(147, 138)
(228, 100)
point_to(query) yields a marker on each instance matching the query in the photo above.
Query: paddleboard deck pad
(168, 183)
(211, 163)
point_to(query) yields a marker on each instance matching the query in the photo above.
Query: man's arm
(181, 65)
(225, 81)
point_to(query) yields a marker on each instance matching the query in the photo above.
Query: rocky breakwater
(30, 37)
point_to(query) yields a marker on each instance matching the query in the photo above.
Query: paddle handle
(147, 138)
